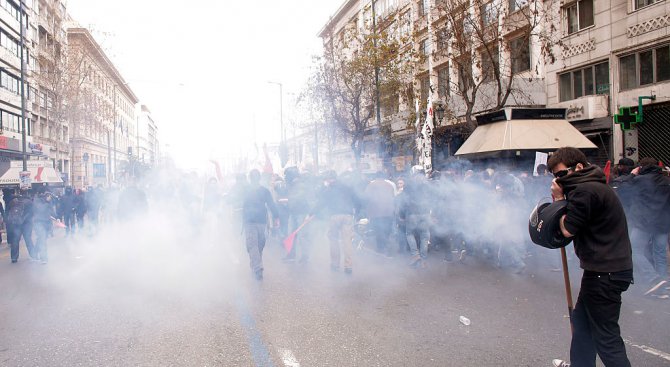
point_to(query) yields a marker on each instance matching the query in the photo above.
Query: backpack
(16, 213)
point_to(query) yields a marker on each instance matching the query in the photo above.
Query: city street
(135, 297)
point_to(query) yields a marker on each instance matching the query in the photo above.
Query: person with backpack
(19, 224)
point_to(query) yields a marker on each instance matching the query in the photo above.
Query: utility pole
(23, 91)
(114, 137)
(282, 136)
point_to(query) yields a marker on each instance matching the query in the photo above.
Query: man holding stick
(596, 221)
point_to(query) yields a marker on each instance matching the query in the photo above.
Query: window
(443, 82)
(406, 24)
(644, 67)
(642, 3)
(593, 79)
(425, 87)
(515, 5)
(9, 43)
(424, 6)
(442, 38)
(579, 15)
(488, 13)
(10, 121)
(464, 74)
(9, 82)
(490, 62)
(425, 48)
(520, 54)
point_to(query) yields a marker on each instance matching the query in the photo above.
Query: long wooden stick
(568, 288)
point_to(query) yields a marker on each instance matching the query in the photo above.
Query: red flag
(608, 169)
(267, 168)
(288, 242)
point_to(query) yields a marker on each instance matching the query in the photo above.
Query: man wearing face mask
(596, 221)
(43, 213)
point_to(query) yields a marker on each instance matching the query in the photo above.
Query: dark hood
(589, 174)
(650, 169)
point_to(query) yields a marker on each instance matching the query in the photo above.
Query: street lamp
(439, 112)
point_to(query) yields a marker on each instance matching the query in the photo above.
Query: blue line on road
(259, 352)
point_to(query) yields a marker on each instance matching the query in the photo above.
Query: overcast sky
(202, 68)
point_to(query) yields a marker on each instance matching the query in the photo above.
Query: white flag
(418, 118)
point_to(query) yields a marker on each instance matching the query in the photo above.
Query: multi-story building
(459, 45)
(101, 114)
(591, 57)
(612, 53)
(10, 80)
(49, 126)
(147, 135)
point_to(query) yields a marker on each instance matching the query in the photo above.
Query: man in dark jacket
(67, 210)
(19, 224)
(257, 201)
(622, 183)
(650, 217)
(415, 212)
(43, 213)
(596, 221)
(339, 203)
(379, 205)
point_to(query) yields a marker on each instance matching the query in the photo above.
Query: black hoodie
(597, 220)
(650, 209)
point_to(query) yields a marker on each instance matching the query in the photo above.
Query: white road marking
(288, 358)
(650, 350)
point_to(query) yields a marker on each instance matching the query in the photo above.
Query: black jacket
(596, 218)
(43, 211)
(337, 198)
(257, 201)
(650, 207)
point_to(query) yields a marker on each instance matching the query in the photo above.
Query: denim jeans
(418, 226)
(340, 236)
(382, 227)
(41, 232)
(255, 241)
(655, 244)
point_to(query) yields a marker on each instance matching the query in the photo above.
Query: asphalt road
(155, 294)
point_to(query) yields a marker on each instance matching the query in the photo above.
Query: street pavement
(161, 295)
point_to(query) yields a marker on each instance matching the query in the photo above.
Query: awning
(524, 135)
(40, 172)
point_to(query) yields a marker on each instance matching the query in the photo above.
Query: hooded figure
(650, 218)
(596, 221)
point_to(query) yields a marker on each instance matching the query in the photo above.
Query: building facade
(49, 127)
(102, 114)
(591, 57)
(11, 81)
(612, 53)
(469, 56)
(148, 150)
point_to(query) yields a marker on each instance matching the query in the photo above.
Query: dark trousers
(255, 242)
(68, 220)
(595, 320)
(382, 228)
(41, 233)
(17, 231)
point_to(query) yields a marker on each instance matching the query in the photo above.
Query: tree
(488, 45)
(344, 83)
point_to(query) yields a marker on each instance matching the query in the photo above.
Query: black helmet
(544, 225)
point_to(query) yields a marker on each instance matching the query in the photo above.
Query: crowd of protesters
(31, 215)
(453, 213)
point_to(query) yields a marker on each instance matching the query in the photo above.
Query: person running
(596, 221)
(257, 201)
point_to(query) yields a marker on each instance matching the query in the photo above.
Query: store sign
(37, 149)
